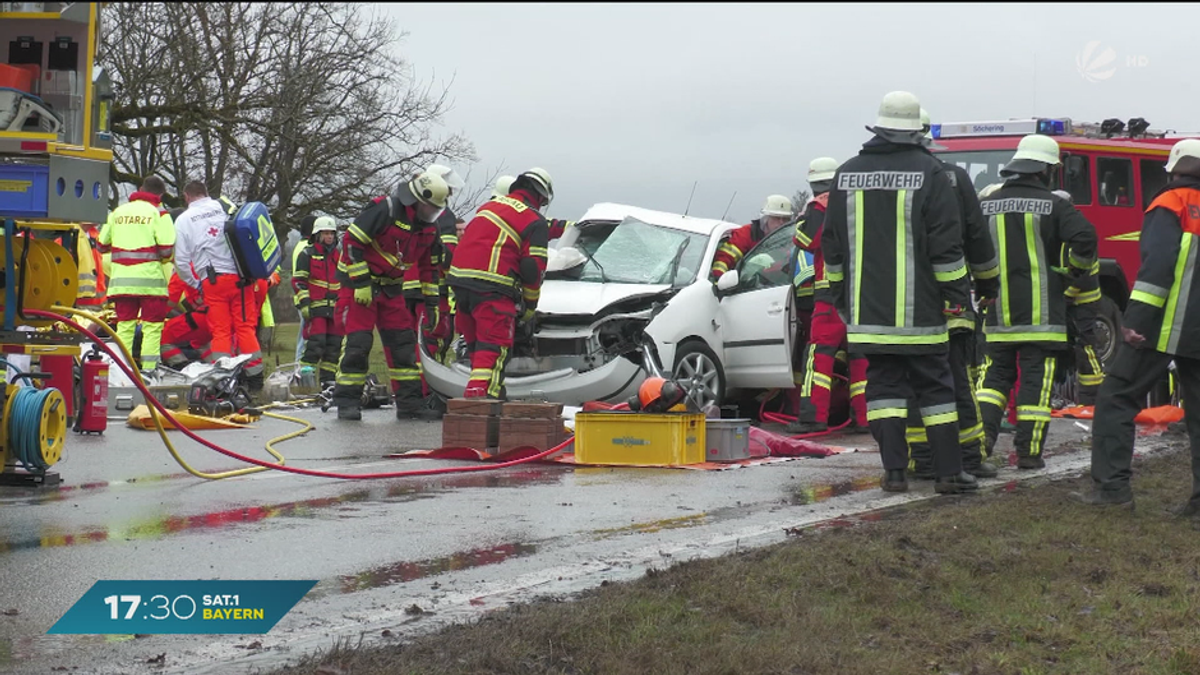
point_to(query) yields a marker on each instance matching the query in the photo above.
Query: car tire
(1108, 328)
(695, 366)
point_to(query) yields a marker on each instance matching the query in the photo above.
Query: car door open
(756, 316)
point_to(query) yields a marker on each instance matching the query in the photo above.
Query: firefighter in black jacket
(1027, 325)
(1161, 324)
(894, 260)
(985, 270)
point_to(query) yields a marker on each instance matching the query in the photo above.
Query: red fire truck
(1112, 171)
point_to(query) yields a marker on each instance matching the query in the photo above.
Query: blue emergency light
(1053, 127)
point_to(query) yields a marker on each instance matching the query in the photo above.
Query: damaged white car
(627, 291)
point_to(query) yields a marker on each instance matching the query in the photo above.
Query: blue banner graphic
(181, 607)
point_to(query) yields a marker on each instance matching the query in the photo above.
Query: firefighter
(894, 262)
(776, 212)
(827, 333)
(1083, 297)
(186, 338)
(1027, 325)
(316, 285)
(1160, 326)
(436, 337)
(497, 278)
(205, 262)
(306, 231)
(388, 236)
(984, 267)
(141, 239)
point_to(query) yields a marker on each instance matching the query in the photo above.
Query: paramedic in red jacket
(388, 236)
(186, 338)
(315, 282)
(204, 261)
(775, 214)
(497, 278)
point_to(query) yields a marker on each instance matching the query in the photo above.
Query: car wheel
(699, 371)
(1108, 330)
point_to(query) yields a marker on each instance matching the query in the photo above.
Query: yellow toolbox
(639, 439)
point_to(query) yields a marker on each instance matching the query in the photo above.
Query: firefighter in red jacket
(315, 283)
(775, 214)
(827, 333)
(497, 278)
(390, 235)
(186, 338)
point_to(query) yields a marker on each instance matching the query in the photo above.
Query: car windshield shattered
(640, 253)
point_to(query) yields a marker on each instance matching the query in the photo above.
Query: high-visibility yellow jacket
(141, 239)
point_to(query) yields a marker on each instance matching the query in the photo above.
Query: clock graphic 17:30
(158, 607)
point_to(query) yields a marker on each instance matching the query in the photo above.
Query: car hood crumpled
(564, 298)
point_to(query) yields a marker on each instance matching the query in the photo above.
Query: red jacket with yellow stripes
(385, 240)
(503, 250)
(731, 251)
(315, 279)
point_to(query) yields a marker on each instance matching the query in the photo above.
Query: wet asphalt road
(452, 545)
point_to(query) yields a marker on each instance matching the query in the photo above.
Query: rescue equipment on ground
(639, 438)
(251, 237)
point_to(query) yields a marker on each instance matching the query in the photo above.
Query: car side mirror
(728, 281)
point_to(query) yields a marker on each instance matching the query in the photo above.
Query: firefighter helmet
(430, 188)
(1038, 148)
(503, 186)
(1187, 150)
(650, 390)
(324, 224)
(777, 205)
(539, 181)
(899, 111)
(821, 169)
(449, 175)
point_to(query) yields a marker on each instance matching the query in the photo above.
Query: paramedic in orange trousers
(232, 306)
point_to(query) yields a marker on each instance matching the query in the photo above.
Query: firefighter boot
(412, 408)
(1098, 497)
(799, 427)
(952, 485)
(894, 480)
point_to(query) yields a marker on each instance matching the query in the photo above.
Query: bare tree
(799, 199)
(301, 106)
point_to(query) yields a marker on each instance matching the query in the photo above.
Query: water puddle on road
(404, 572)
(168, 525)
(812, 494)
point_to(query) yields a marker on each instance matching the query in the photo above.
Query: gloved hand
(364, 295)
(434, 326)
(986, 291)
(306, 312)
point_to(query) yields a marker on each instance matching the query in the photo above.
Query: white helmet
(430, 188)
(539, 180)
(821, 169)
(503, 186)
(324, 224)
(449, 175)
(899, 111)
(777, 205)
(1038, 148)
(1187, 148)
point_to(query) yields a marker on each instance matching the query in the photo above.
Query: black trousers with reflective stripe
(1133, 374)
(970, 428)
(1089, 372)
(1037, 366)
(894, 380)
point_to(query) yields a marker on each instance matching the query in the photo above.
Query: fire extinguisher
(93, 389)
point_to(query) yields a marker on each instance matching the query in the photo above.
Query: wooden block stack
(471, 423)
(531, 424)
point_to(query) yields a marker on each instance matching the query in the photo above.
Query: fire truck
(1112, 171)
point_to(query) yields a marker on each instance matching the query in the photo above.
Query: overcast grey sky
(633, 103)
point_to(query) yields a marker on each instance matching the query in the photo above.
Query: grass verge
(1017, 581)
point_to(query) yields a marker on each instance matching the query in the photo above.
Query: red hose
(137, 381)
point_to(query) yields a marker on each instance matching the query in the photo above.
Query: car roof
(618, 212)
